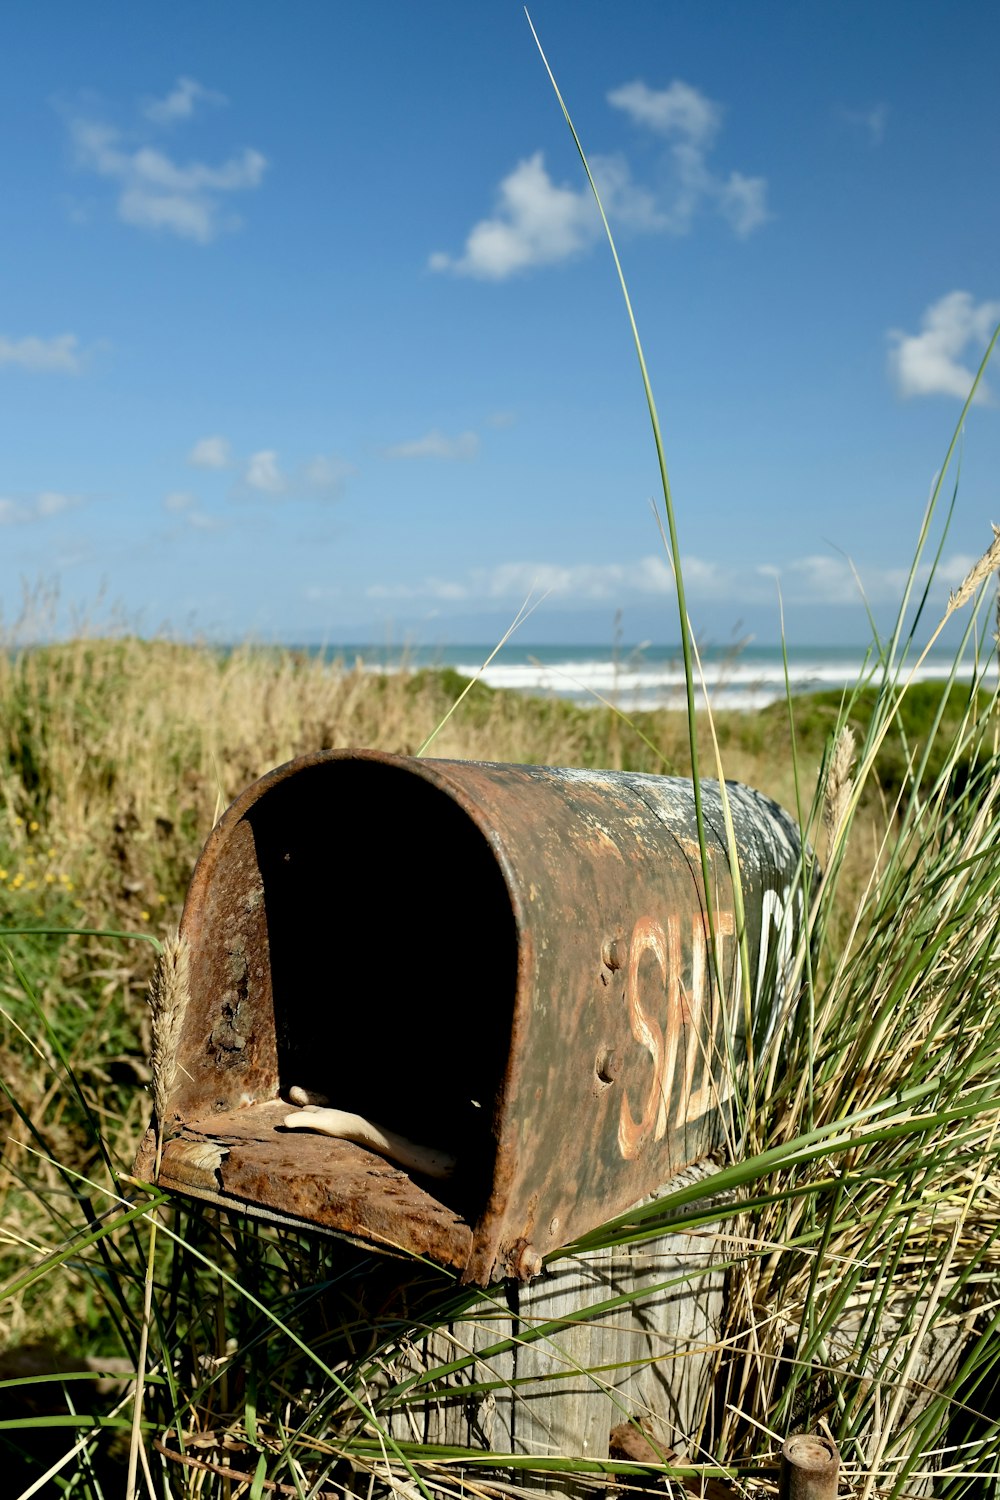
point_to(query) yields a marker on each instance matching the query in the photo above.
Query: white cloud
(821, 578)
(817, 578)
(322, 477)
(180, 103)
(155, 192)
(627, 202)
(930, 363)
(691, 122)
(39, 507)
(52, 503)
(812, 579)
(538, 222)
(210, 453)
(263, 474)
(61, 354)
(516, 580)
(704, 578)
(678, 109)
(436, 445)
(742, 202)
(583, 581)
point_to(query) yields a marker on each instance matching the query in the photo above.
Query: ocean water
(650, 676)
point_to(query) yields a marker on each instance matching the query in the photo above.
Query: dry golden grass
(119, 755)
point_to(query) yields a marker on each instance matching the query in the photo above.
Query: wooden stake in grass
(169, 993)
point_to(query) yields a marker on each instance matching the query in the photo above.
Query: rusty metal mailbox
(514, 966)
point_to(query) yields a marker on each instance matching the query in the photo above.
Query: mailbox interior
(386, 983)
(393, 953)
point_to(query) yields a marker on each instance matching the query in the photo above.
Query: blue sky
(308, 332)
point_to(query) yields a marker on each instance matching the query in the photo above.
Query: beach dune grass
(119, 754)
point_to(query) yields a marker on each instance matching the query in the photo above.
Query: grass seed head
(987, 564)
(839, 782)
(169, 992)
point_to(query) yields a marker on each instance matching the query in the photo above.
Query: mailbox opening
(393, 954)
(351, 934)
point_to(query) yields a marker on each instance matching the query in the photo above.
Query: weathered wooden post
(524, 993)
(601, 1339)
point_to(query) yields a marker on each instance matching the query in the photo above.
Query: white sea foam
(732, 684)
(746, 680)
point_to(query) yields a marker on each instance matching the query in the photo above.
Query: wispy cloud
(61, 354)
(539, 222)
(211, 453)
(824, 578)
(326, 474)
(678, 110)
(38, 507)
(690, 122)
(181, 102)
(156, 192)
(435, 444)
(263, 474)
(178, 500)
(817, 578)
(185, 506)
(429, 588)
(813, 579)
(930, 363)
(871, 122)
(585, 582)
(321, 478)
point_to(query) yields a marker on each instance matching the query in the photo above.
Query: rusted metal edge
(246, 1159)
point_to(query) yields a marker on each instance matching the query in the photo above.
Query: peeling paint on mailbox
(515, 965)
